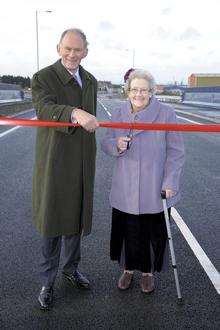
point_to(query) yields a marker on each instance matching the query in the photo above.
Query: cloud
(160, 56)
(166, 11)
(158, 32)
(190, 33)
(191, 47)
(108, 43)
(211, 52)
(106, 26)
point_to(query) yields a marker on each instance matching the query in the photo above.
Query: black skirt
(138, 242)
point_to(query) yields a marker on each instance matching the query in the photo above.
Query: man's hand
(85, 119)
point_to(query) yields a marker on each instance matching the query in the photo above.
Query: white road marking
(191, 121)
(21, 113)
(13, 129)
(196, 115)
(9, 131)
(205, 262)
(104, 107)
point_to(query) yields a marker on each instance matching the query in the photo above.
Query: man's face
(72, 50)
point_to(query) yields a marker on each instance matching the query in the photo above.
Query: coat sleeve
(95, 96)
(174, 157)
(109, 142)
(45, 102)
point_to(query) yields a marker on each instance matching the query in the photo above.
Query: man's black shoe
(77, 279)
(45, 298)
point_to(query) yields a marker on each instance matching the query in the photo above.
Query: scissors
(129, 135)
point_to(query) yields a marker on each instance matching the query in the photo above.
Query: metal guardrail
(9, 108)
(8, 102)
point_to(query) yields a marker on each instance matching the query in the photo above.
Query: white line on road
(191, 121)
(9, 131)
(13, 129)
(197, 116)
(104, 107)
(205, 262)
(21, 113)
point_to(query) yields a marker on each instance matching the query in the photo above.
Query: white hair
(141, 74)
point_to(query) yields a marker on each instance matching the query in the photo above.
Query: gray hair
(140, 74)
(77, 31)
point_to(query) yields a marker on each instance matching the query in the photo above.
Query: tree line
(18, 80)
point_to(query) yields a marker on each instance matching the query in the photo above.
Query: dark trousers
(51, 248)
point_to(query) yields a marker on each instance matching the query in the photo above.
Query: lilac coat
(153, 162)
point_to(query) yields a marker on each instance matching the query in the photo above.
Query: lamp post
(37, 37)
(133, 55)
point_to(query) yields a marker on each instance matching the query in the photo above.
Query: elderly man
(65, 161)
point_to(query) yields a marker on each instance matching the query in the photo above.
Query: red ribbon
(6, 121)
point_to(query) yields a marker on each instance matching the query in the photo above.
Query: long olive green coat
(65, 157)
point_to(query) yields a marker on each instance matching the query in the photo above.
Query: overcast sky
(169, 38)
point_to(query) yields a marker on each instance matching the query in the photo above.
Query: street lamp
(133, 56)
(37, 38)
(133, 52)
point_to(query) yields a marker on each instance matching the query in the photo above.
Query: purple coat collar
(148, 114)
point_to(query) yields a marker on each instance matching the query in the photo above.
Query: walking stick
(163, 196)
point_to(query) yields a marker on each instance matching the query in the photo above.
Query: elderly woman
(146, 162)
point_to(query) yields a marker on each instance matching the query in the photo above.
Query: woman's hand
(169, 193)
(122, 143)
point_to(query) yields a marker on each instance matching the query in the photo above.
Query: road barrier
(10, 108)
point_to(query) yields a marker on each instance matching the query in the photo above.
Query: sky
(169, 38)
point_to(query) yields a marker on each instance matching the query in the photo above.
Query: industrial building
(204, 79)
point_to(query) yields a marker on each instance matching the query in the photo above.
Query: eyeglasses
(142, 91)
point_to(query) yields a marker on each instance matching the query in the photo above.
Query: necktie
(78, 80)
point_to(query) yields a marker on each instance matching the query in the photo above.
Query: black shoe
(77, 279)
(45, 298)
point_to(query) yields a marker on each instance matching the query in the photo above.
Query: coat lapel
(62, 72)
(87, 88)
(86, 80)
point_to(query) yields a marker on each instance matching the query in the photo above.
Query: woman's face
(139, 94)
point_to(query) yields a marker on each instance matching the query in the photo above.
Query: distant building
(108, 87)
(10, 93)
(160, 89)
(104, 86)
(204, 79)
(174, 89)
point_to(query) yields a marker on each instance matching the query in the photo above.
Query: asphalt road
(104, 307)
